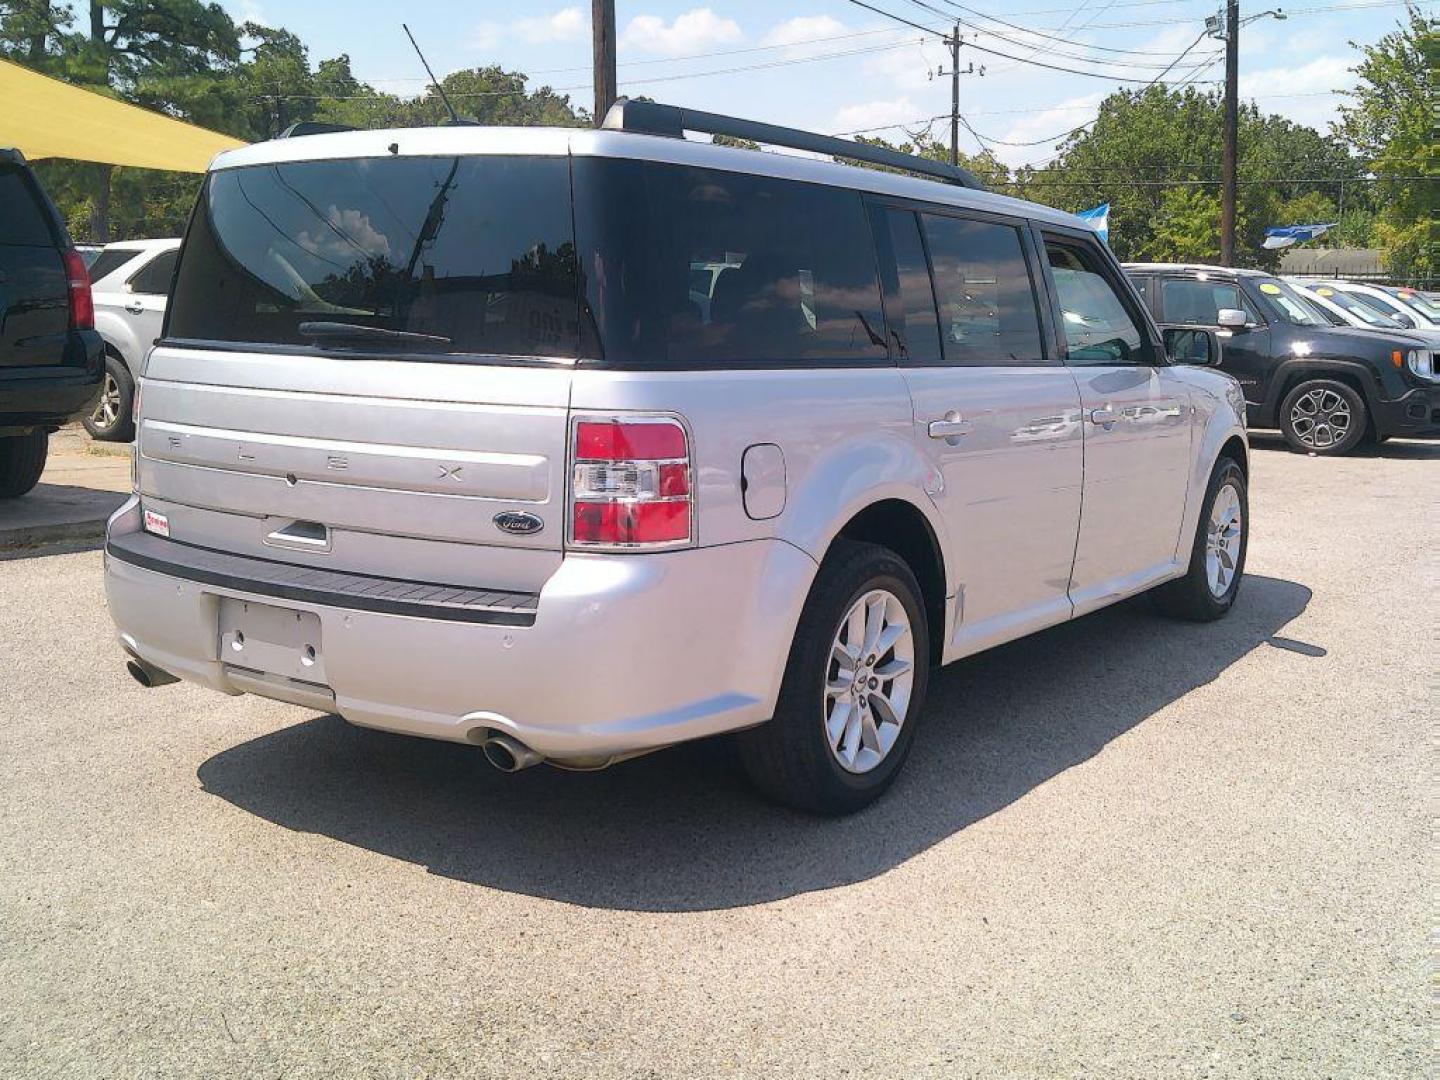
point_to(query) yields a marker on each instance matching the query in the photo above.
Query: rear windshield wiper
(341, 331)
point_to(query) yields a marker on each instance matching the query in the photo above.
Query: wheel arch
(1354, 375)
(901, 526)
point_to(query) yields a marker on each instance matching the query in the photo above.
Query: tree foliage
(1391, 124)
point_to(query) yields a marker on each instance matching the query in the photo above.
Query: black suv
(1325, 387)
(51, 358)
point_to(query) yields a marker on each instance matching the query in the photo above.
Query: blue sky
(882, 75)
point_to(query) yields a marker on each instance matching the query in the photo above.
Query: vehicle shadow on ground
(1410, 449)
(680, 830)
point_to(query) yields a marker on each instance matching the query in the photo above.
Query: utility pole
(602, 22)
(955, 95)
(1228, 155)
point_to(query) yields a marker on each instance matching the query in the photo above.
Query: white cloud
(1300, 93)
(485, 36)
(1068, 114)
(567, 24)
(908, 68)
(802, 29)
(694, 31)
(872, 114)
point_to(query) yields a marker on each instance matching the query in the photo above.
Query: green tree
(1146, 143)
(1391, 124)
(985, 166)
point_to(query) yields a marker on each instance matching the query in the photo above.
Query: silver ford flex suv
(576, 444)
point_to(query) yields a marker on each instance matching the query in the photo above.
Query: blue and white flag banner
(1282, 236)
(1098, 219)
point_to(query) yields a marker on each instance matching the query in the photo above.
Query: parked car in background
(1325, 387)
(1406, 306)
(442, 438)
(89, 252)
(1347, 309)
(50, 354)
(131, 283)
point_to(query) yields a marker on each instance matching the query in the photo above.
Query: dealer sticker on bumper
(158, 524)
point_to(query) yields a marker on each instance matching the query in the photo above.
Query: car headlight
(1421, 362)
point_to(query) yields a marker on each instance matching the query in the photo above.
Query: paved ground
(1124, 848)
(83, 484)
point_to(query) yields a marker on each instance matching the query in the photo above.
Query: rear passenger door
(996, 413)
(1137, 425)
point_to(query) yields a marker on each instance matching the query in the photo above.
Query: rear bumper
(1416, 415)
(51, 396)
(624, 653)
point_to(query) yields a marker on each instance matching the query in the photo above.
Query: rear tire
(1217, 557)
(22, 460)
(843, 726)
(1323, 416)
(112, 420)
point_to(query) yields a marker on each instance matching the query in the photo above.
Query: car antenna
(454, 116)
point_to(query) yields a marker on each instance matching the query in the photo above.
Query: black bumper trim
(331, 588)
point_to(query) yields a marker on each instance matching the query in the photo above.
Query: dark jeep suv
(1325, 387)
(51, 358)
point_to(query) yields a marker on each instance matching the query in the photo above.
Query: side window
(988, 312)
(108, 261)
(153, 279)
(23, 220)
(1193, 302)
(917, 296)
(1098, 329)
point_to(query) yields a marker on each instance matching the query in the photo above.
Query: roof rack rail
(672, 121)
(312, 127)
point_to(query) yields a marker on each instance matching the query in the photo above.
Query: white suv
(440, 438)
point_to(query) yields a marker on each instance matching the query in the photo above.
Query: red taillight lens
(631, 483)
(77, 284)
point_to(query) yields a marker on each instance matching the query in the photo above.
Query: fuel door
(762, 481)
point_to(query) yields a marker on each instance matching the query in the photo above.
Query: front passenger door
(1245, 350)
(1136, 421)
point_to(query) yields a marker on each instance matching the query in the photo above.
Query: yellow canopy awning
(46, 118)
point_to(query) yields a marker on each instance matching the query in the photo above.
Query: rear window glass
(110, 260)
(154, 278)
(689, 266)
(23, 218)
(476, 250)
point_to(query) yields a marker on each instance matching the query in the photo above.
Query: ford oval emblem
(520, 522)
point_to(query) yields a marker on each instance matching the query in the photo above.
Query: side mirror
(1192, 345)
(1232, 318)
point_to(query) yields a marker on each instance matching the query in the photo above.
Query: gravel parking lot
(1125, 847)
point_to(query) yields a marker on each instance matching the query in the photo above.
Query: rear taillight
(77, 285)
(631, 484)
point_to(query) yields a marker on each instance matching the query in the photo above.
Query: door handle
(951, 426)
(135, 308)
(1104, 417)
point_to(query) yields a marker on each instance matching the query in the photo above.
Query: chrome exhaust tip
(148, 675)
(507, 754)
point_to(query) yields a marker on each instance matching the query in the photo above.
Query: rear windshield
(24, 221)
(477, 253)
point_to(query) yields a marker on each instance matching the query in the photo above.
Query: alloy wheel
(868, 681)
(1320, 418)
(107, 409)
(1222, 541)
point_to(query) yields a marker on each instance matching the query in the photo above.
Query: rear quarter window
(685, 266)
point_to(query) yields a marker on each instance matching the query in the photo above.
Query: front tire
(112, 420)
(1323, 416)
(853, 688)
(1217, 557)
(22, 460)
